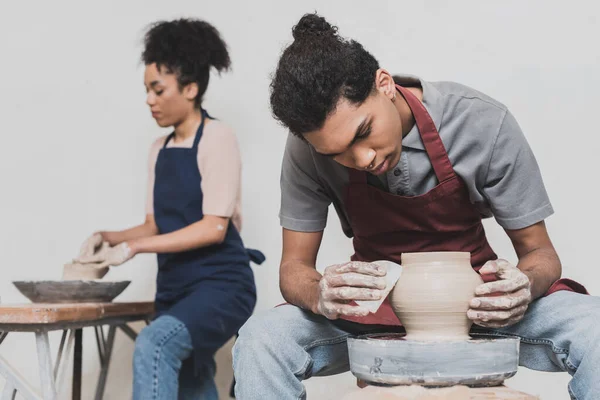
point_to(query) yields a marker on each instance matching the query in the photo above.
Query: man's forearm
(299, 284)
(542, 267)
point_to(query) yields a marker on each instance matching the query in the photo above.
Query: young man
(410, 166)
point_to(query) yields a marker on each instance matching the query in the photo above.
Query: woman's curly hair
(187, 48)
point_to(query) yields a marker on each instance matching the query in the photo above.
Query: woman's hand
(91, 245)
(112, 256)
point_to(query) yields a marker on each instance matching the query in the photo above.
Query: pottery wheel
(71, 291)
(389, 360)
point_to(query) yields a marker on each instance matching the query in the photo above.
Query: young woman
(205, 287)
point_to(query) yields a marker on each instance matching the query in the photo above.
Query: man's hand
(503, 302)
(344, 283)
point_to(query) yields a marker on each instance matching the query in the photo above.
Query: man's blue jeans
(278, 349)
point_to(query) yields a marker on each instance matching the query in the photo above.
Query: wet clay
(85, 272)
(88, 271)
(432, 296)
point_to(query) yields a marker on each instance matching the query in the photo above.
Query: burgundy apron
(444, 219)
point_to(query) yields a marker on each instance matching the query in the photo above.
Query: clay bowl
(71, 291)
(389, 359)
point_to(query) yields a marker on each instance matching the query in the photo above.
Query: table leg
(45, 365)
(9, 391)
(128, 331)
(107, 346)
(17, 382)
(64, 354)
(101, 342)
(77, 357)
(60, 353)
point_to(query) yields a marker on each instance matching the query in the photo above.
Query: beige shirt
(219, 163)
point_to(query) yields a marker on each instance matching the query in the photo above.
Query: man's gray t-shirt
(484, 143)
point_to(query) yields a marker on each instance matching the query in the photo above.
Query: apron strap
(171, 136)
(198, 132)
(200, 129)
(256, 256)
(430, 136)
(357, 176)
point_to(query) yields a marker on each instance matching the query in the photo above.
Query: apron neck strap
(200, 128)
(429, 135)
(171, 136)
(198, 132)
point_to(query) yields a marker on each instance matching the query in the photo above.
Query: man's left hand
(503, 302)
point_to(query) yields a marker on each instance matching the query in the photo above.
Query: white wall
(76, 130)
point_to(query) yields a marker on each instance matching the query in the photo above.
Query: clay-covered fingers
(356, 274)
(336, 310)
(499, 324)
(355, 279)
(497, 316)
(507, 302)
(113, 256)
(91, 245)
(346, 293)
(510, 278)
(341, 284)
(508, 285)
(357, 267)
(495, 266)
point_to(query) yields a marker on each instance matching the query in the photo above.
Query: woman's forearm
(147, 229)
(206, 232)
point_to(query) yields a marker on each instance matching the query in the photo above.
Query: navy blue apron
(211, 289)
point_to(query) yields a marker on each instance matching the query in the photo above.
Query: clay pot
(432, 296)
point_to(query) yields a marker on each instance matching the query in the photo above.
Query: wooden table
(71, 319)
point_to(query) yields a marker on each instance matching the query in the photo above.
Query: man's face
(367, 137)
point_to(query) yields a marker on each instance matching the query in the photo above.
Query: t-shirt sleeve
(304, 201)
(152, 157)
(220, 165)
(514, 185)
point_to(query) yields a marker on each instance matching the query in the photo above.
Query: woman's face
(169, 104)
(366, 137)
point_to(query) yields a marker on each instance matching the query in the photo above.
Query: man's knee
(252, 336)
(266, 333)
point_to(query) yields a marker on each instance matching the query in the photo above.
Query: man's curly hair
(315, 72)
